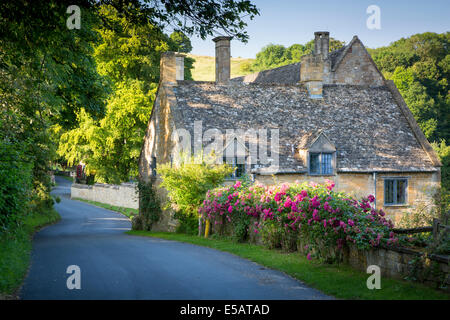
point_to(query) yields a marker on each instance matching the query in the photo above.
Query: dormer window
(321, 163)
(237, 156)
(318, 153)
(237, 164)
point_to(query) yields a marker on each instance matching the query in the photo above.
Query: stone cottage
(332, 116)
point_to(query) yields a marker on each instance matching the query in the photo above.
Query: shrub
(149, 207)
(235, 204)
(15, 183)
(318, 218)
(187, 184)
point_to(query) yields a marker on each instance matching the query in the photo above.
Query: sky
(287, 22)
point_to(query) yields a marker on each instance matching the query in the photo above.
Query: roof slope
(288, 74)
(365, 124)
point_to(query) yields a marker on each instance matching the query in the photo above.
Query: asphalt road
(115, 265)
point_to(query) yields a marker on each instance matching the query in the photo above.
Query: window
(240, 167)
(395, 191)
(321, 163)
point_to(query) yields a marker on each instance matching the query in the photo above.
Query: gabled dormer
(318, 153)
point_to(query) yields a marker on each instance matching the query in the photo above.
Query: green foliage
(443, 151)
(15, 183)
(111, 147)
(149, 207)
(181, 42)
(188, 182)
(273, 56)
(129, 51)
(15, 249)
(419, 66)
(186, 224)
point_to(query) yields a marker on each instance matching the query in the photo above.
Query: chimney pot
(167, 68)
(179, 60)
(321, 43)
(223, 56)
(171, 66)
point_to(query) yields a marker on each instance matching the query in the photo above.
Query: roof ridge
(344, 52)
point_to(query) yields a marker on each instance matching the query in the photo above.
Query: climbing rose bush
(319, 220)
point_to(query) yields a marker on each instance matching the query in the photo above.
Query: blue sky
(288, 21)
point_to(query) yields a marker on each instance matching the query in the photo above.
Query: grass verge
(339, 281)
(69, 178)
(15, 252)
(129, 212)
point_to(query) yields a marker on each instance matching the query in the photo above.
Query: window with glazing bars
(320, 163)
(395, 191)
(240, 167)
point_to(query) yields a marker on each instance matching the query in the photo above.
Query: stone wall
(397, 263)
(357, 68)
(123, 195)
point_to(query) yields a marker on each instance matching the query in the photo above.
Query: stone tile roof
(307, 139)
(288, 74)
(365, 124)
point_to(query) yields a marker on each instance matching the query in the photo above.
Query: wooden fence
(436, 228)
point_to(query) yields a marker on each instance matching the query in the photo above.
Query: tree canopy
(273, 55)
(91, 88)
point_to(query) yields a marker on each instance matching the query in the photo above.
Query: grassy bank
(15, 249)
(204, 67)
(129, 212)
(338, 281)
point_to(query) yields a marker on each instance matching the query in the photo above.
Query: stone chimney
(315, 68)
(321, 43)
(179, 61)
(171, 66)
(223, 55)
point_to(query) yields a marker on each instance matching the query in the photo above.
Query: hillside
(204, 67)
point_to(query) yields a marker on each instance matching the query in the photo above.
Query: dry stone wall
(123, 195)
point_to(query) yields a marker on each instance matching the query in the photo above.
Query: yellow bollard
(207, 228)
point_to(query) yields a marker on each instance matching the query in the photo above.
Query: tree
(46, 76)
(49, 80)
(181, 42)
(419, 66)
(273, 56)
(187, 183)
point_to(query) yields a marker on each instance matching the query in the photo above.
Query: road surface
(114, 265)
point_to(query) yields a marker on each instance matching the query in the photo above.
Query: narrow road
(115, 265)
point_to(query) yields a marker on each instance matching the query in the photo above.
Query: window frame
(395, 191)
(332, 160)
